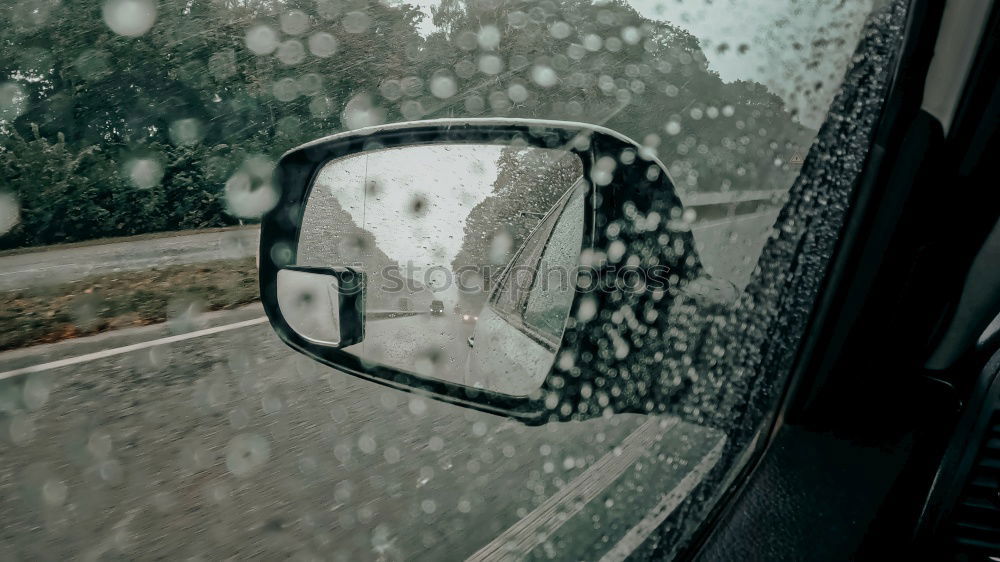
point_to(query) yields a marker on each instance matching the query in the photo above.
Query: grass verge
(119, 300)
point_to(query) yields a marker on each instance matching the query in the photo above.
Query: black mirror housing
(636, 255)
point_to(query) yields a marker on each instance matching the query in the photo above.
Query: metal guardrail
(703, 199)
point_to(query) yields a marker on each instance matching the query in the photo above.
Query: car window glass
(148, 411)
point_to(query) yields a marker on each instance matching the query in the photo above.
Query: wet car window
(147, 410)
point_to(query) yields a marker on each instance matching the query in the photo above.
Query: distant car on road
(437, 308)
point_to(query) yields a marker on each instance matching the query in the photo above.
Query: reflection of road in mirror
(429, 345)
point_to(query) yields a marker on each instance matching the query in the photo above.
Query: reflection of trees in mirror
(198, 105)
(528, 184)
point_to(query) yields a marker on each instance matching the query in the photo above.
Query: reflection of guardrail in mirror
(534, 214)
(388, 314)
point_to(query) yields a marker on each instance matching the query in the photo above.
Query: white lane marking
(535, 528)
(129, 348)
(638, 534)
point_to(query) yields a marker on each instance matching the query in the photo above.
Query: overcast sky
(421, 198)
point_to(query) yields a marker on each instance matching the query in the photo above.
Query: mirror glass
(310, 304)
(471, 253)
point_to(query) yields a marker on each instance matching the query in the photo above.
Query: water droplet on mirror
(418, 205)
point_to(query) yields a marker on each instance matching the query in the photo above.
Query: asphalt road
(431, 345)
(230, 445)
(226, 444)
(62, 265)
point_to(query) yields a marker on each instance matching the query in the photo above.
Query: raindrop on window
(322, 44)
(294, 22)
(490, 64)
(544, 76)
(185, 132)
(246, 453)
(291, 52)
(10, 212)
(361, 111)
(443, 86)
(488, 38)
(261, 40)
(356, 22)
(144, 173)
(13, 101)
(560, 30)
(129, 18)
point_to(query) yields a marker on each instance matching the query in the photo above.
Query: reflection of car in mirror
(437, 307)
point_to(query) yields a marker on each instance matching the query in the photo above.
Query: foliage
(198, 94)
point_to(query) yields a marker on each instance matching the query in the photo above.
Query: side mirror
(507, 265)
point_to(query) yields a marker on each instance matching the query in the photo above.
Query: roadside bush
(67, 194)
